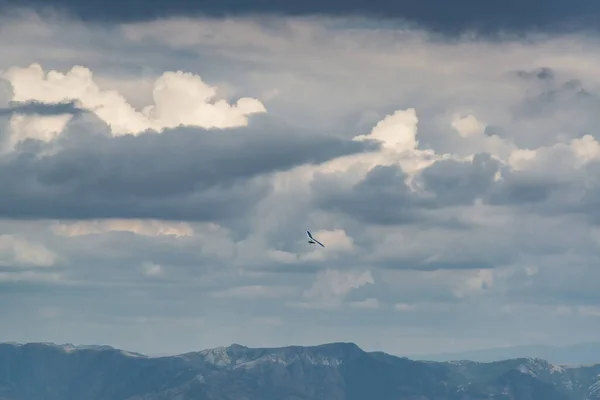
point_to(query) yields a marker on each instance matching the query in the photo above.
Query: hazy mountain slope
(338, 371)
(579, 354)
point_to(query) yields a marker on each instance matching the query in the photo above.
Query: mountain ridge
(580, 354)
(332, 371)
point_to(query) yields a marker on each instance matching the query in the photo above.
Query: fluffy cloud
(331, 287)
(453, 184)
(180, 99)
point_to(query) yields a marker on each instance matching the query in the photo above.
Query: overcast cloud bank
(158, 178)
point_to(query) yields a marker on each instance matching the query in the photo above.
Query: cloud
(35, 120)
(403, 307)
(382, 184)
(396, 131)
(139, 227)
(44, 128)
(16, 251)
(331, 287)
(481, 281)
(252, 292)
(180, 99)
(453, 183)
(151, 269)
(366, 303)
(457, 17)
(30, 277)
(38, 108)
(188, 173)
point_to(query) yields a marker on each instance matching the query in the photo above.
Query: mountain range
(576, 354)
(335, 371)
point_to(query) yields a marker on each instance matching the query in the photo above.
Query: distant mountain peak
(69, 347)
(238, 356)
(236, 346)
(534, 366)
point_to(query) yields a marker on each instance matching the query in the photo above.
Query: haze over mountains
(332, 371)
(576, 354)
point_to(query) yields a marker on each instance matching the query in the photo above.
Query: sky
(160, 166)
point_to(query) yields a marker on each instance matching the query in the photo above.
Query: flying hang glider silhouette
(313, 240)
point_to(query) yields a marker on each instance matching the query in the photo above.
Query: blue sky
(158, 176)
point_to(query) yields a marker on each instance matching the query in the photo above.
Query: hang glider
(313, 240)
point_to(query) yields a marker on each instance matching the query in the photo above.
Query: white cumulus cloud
(179, 99)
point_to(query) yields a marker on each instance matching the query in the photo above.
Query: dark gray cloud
(539, 74)
(554, 284)
(460, 183)
(586, 198)
(550, 94)
(40, 109)
(554, 189)
(464, 261)
(6, 92)
(185, 173)
(383, 197)
(445, 16)
(555, 106)
(520, 188)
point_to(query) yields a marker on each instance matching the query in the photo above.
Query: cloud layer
(448, 17)
(175, 165)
